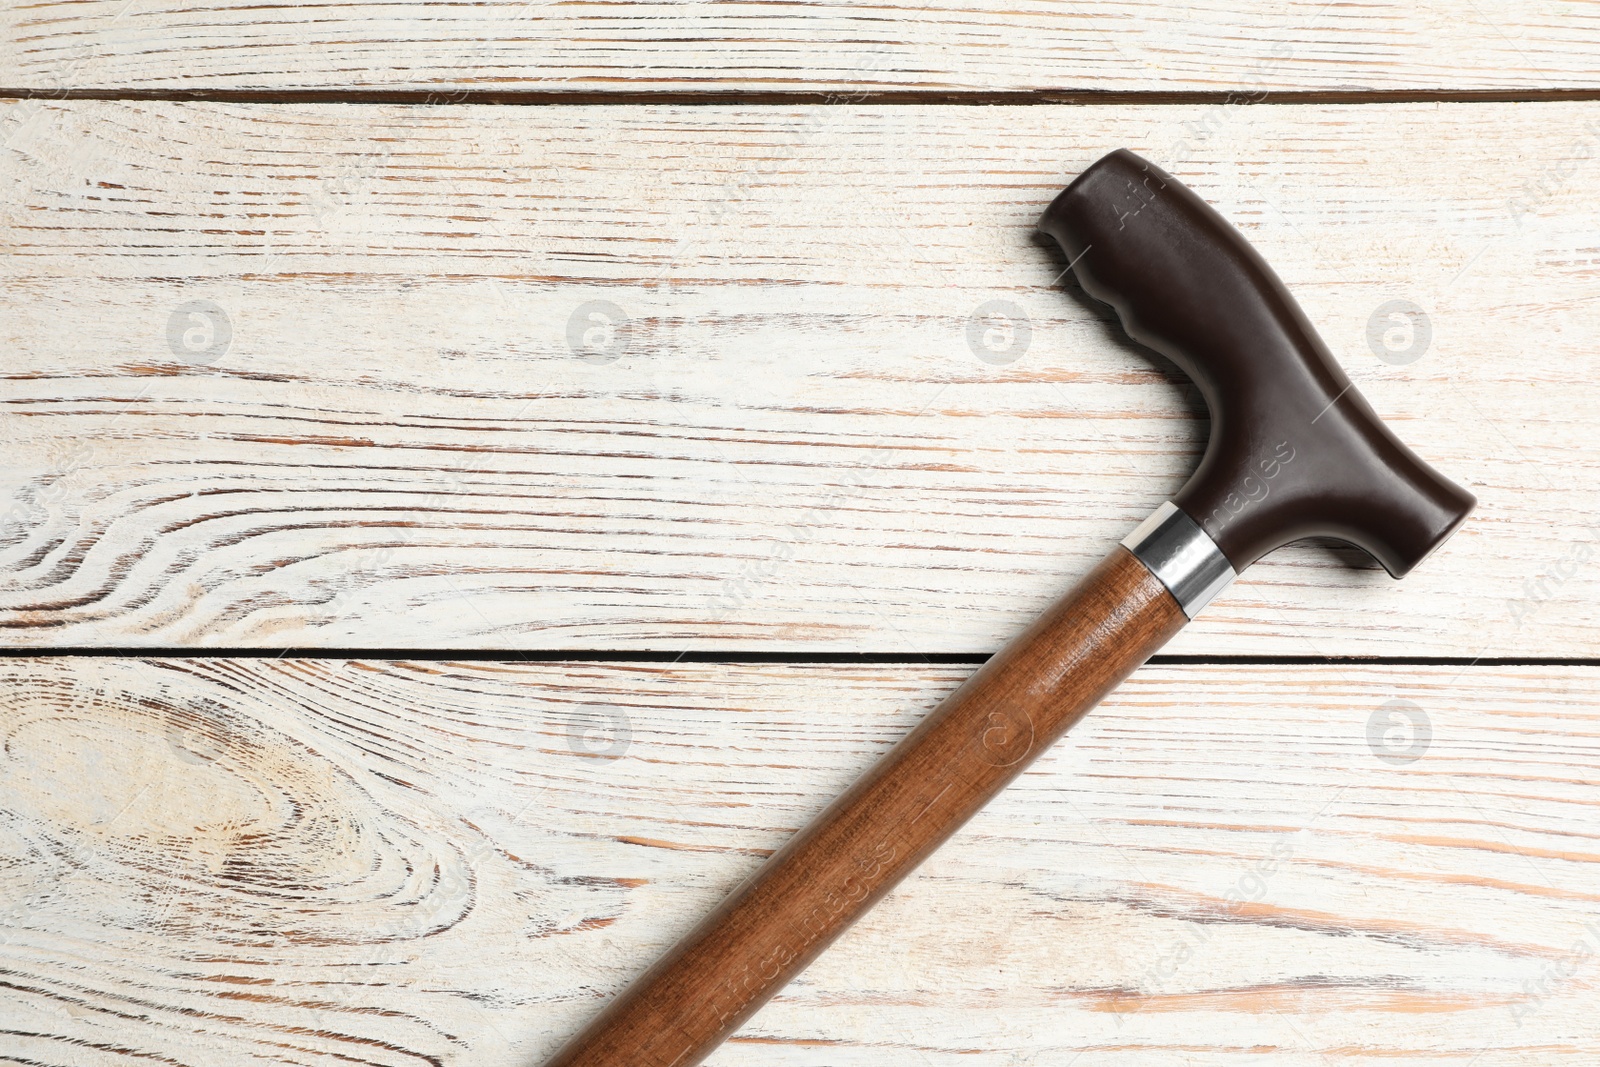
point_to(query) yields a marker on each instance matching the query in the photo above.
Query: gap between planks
(732, 656)
(801, 98)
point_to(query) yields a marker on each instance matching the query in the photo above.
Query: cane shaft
(966, 751)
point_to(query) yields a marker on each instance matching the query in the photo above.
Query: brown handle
(1294, 451)
(967, 750)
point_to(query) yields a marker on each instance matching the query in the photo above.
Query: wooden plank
(798, 437)
(318, 862)
(522, 45)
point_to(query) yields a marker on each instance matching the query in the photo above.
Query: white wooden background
(522, 45)
(383, 445)
(226, 861)
(793, 444)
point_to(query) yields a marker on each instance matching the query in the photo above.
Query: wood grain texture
(891, 819)
(928, 44)
(808, 432)
(321, 862)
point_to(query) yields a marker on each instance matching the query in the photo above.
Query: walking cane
(1294, 452)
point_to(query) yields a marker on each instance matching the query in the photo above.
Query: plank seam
(669, 656)
(970, 98)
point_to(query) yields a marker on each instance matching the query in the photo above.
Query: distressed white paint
(522, 45)
(249, 861)
(797, 447)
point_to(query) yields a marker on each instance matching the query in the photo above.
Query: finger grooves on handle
(875, 833)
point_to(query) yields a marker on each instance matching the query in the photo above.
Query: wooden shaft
(825, 877)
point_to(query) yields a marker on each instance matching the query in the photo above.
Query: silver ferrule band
(1182, 556)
